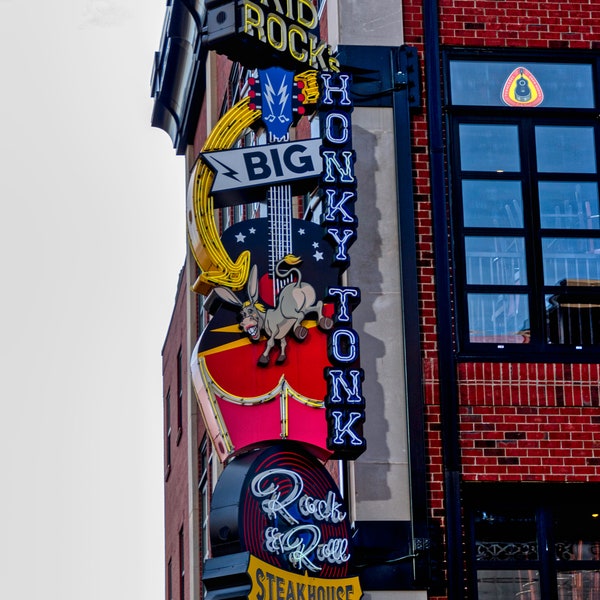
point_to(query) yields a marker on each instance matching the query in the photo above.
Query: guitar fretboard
(279, 212)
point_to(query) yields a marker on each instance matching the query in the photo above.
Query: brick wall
(520, 24)
(518, 422)
(176, 479)
(534, 422)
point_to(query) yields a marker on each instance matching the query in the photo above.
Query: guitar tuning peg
(299, 98)
(254, 93)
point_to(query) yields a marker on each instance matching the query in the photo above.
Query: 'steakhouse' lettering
(271, 583)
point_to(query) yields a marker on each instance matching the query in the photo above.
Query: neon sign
(281, 492)
(262, 32)
(279, 358)
(281, 505)
(344, 401)
(278, 363)
(271, 583)
(287, 314)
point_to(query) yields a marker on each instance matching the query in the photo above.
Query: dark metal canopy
(178, 75)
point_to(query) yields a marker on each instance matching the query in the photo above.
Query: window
(181, 565)
(534, 541)
(179, 395)
(523, 153)
(168, 434)
(170, 580)
(204, 468)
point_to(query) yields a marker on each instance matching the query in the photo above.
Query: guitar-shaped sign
(258, 365)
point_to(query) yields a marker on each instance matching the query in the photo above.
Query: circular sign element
(282, 505)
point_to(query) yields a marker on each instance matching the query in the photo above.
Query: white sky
(91, 241)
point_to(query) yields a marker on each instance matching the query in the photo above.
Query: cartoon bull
(296, 300)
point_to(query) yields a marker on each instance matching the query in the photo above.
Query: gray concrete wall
(381, 475)
(381, 479)
(369, 23)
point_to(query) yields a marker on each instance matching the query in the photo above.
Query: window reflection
(573, 313)
(577, 537)
(535, 541)
(571, 261)
(489, 147)
(577, 534)
(508, 584)
(579, 585)
(565, 149)
(526, 198)
(489, 203)
(496, 260)
(502, 535)
(498, 318)
(569, 205)
(476, 83)
(573, 318)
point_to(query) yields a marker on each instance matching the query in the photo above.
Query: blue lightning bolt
(283, 98)
(269, 93)
(229, 172)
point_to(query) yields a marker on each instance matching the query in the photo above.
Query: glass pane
(571, 261)
(496, 260)
(578, 585)
(505, 534)
(569, 205)
(488, 203)
(480, 83)
(573, 318)
(498, 318)
(489, 148)
(577, 533)
(508, 585)
(565, 149)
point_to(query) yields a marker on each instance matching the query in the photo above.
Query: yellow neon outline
(197, 371)
(218, 269)
(282, 388)
(283, 411)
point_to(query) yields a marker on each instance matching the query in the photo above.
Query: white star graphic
(318, 256)
(252, 230)
(301, 231)
(240, 237)
(315, 244)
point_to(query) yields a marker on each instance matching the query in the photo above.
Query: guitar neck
(274, 95)
(279, 212)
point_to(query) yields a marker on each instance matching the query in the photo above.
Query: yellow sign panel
(272, 583)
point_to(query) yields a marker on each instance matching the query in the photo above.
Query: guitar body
(247, 404)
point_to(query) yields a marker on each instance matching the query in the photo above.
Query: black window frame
(168, 447)
(204, 494)
(179, 394)
(544, 501)
(538, 349)
(181, 552)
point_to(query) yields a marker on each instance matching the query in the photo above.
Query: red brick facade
(574, 25)
(176, 447)
(534, 422)
(518, 421)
